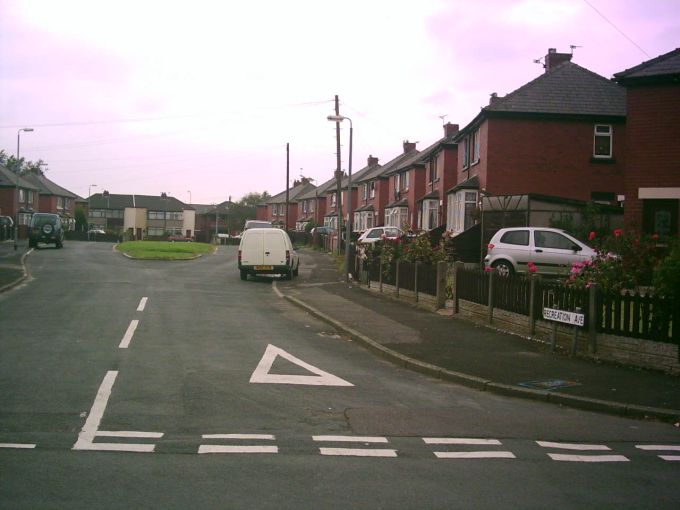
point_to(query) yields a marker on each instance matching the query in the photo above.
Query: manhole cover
(550, 384)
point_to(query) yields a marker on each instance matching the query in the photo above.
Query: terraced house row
(565, 139)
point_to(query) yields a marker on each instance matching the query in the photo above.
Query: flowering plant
(624, 260)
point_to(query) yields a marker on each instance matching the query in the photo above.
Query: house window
(333, 199)
(60, 203)
(397, 182)
(174, 215)
(406, 181)
(396, 217)
(98, 213)
(466, 152)
(24, 218)
(275, 210)
(372, 189)
(430, 214)
(154, 215)
(462, 207)
(434, 171)
(475, 147)
(22, 195)
(155, 231)
(602, 144)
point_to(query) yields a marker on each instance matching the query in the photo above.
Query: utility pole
(287, 181)
(338, 172)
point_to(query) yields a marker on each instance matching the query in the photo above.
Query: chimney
(372, 161)
(450, 129)
(409, 146)
(553, 59)
(493, 98)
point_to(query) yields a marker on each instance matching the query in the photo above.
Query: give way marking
(261, 373)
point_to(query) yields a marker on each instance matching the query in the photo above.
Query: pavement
(12, 268)
(444, 346)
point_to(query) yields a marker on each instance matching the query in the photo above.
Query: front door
(660, 217)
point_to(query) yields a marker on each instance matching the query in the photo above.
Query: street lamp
(164, 197)
(189, 191)
(338, 119)
(106, 213)
(18, 164)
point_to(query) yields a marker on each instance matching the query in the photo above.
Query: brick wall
(653, 151)
(548, 157)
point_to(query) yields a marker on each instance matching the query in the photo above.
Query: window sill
(602, 160)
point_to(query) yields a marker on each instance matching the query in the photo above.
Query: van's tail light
(288, 257)
(490, 246)
(239, 257)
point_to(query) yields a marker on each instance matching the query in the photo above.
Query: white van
(267, 251)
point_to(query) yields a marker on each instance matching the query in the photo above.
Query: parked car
(322, 230)
(375, 234)
(45, 228)
(95, 231)
(257, 224)
(267, 251)
(180, 239)
(550, 250)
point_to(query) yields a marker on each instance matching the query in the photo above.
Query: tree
(81, 219)
(253, 199)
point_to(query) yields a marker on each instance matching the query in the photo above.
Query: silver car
(549, 250)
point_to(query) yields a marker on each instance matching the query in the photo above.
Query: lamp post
(164, 197)
(89, 210)
(338, 119)
(189, 191)
(16, 222)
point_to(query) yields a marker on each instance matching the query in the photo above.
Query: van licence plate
(264, 268)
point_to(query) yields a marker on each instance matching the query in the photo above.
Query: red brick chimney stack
(553, 59)
(450, 129)
(372, 161)
(409, 146)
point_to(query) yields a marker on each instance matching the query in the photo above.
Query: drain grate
(549, 384)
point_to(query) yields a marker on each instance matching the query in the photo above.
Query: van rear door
(252, 252)
(274, 247)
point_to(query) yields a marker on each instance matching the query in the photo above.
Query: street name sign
(573, 318)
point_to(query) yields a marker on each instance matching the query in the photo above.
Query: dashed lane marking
(209, 448)
(561, 457)
(355, 452)
(663, 448)
(466, 441)
(127, 338)
(18, 446)
(142, 304)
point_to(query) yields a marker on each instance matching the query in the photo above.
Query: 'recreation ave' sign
(573, 318)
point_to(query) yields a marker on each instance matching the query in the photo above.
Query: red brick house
(562, 134)
(312, 205)
(376, 200)
(277, 212)
(54, 199)
(28, 199)
(652, 173)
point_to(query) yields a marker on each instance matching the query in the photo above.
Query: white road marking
(127, 338)
(351, 439)
(662, 448)
(265, 437)
(237, 449)
(128, 433)
(142, 304)
(659, 447)
(261, 373)
(475, 455)
(587, 458)
(91, 427)
(21, 446)
(573, 446)
(460, 440)
(358, 452)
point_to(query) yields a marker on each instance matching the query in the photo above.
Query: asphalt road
(129, 384)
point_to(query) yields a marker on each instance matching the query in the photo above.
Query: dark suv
(45, 228)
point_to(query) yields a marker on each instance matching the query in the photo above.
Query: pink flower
(655, 237)
(488, 269)
(592, 236)
(531, 267)
(618, 232)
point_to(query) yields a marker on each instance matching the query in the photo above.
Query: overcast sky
(201, 96)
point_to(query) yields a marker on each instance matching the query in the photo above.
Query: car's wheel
(32, 243)
(296, 271)
(244, 274)
(288, 275)
(503, 268)
(59, 244)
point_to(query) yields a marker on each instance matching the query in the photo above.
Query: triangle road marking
(261, 373)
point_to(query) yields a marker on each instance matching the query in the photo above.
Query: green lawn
(164, 250)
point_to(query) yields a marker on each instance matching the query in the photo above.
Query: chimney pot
(553, 59)
(409, 146)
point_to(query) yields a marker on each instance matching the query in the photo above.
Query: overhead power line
(617, 28)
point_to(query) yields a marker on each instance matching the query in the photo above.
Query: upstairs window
(475, 147)
(365, 188)
(434, 171)
(602, 141)
(372, 189)
(406, 181)
(466, 152)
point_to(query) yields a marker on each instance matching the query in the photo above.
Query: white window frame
(430, 206)
(475, 147)
(365, 190)
(372, 189)
(456, 203)
(606, 131)
(406, 181)
(22, 195)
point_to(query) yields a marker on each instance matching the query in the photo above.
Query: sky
(198, 99)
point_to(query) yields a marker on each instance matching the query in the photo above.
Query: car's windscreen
(39, 221)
